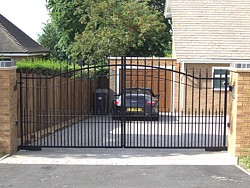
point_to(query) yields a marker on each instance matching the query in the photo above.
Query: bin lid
(102, 91)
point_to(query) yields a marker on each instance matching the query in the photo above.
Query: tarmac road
(52, 176)
(108, 168)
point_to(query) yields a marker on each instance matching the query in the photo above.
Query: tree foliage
(66, 21)
(120, 28)
(94, 29)
(157, 4)
(50, 39)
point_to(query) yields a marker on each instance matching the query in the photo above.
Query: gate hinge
(16, 121)
(15, 86)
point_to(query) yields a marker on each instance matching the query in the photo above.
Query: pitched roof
(211, 29)
(13, 40)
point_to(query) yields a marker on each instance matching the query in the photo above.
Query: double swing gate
(77, 107)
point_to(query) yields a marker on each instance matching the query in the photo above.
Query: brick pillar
(239, 132)
(8, 110)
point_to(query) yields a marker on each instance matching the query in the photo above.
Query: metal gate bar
(75, 108)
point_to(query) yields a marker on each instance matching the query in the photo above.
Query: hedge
(50, 67)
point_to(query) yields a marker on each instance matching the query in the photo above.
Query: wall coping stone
(7, 68)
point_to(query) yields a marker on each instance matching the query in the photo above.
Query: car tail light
(151, 103)
(117, 102)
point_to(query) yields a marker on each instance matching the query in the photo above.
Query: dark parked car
(139, 102)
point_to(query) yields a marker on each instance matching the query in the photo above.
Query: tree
(66, 21)
(157, 4)
(120, 28)
(160, 6)
(49, 39)
(92, 29)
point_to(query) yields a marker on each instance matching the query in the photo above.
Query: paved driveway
(102, 131)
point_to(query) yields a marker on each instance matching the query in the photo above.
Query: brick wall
(239, 133)
(204, 29)
(8, 106)
(213, 99)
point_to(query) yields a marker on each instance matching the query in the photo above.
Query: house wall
(211, 29)
(202, 96)
(18, 58)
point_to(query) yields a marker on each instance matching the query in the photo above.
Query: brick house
(210, 33)
(16, 45)
(210, 36)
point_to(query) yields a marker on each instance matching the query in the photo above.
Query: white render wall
(211, 29)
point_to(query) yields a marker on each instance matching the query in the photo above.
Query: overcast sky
(27, 15)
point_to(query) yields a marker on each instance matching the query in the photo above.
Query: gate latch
(15, 86)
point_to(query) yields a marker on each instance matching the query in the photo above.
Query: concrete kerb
(5, 156)
(121, 157)
(242, 169)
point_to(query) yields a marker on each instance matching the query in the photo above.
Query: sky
(27, 15)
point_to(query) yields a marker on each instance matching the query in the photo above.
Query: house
(210, 34)
(16, 45)
(209, 37)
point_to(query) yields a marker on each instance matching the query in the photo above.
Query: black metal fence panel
(124, 102)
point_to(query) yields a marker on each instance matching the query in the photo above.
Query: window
(219, 77)
(6, 62)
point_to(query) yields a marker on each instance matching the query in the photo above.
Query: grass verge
(2, 154)
(244, 162)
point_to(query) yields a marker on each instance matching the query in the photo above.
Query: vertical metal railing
(123, 102)
(193, 114)
(21, 107)
(225, 108)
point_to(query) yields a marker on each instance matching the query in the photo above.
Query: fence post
(8, 110)
(239, 131)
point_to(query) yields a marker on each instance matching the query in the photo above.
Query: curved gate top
(124, 102)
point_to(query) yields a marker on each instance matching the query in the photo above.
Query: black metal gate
(110, 104)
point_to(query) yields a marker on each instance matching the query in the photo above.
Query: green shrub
(45, 66)
(245, 162)
(93, 72)
(50, 67)
(2, 154)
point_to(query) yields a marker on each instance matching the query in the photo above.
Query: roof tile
(14, 40)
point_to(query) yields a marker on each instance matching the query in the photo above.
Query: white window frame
(218, 76)
(4, 60)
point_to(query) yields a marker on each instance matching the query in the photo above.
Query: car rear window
(139, 91)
